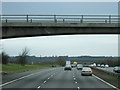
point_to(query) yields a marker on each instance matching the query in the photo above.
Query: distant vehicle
(94, 64)
(74, 64)
(53, 66)
(85, 65)
(106, 66)
(68, 63)
(68, 67)
(98, 65)
(102, 66)
(79, 66)
(91, 65)
(86, 71)
(117, 69)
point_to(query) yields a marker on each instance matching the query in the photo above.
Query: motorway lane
(73, 79)
(58, 78)
(63, 79)
(31, 81)
(11, 77)
(89, 81)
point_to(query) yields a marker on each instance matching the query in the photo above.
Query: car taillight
(90, 71)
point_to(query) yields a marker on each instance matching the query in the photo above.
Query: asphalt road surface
(53, 78)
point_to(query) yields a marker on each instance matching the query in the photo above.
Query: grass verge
(15, 68)
(111, 78)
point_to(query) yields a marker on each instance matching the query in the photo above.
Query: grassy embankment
(0, 67)
(15, 68)
(111, 78)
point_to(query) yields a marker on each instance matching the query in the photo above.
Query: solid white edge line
(44, 82)
(16, 79)
(106, 82)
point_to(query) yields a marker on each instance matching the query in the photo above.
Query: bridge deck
(60, 25)
(42, 25)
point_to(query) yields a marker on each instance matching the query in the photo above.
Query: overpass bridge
(14, 26)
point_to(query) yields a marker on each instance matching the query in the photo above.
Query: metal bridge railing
(61, 18)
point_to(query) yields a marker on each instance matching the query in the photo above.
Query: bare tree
(4, 58)
(61, 61)
(23, 56)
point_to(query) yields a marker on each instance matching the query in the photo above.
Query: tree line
(60, 60)
(23, 57)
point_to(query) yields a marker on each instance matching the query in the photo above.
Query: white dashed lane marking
(74, 78)
(46, 80)
(76, 82)
(78, 88)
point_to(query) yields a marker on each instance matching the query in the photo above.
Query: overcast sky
(60, 0)
(71, 45)
(60, 8)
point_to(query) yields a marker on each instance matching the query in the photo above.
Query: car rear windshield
(87, 69)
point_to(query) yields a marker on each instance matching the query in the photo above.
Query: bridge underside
(14, 26)
(15, 30)
(30, 31)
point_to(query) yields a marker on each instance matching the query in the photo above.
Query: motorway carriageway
(54, 78)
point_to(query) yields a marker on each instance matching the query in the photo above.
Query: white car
(102, 66)
(68, 67)
(91, 65)
(86, 71)
(79, 66)
(117, 69)
(98, 65)
(106, 66)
